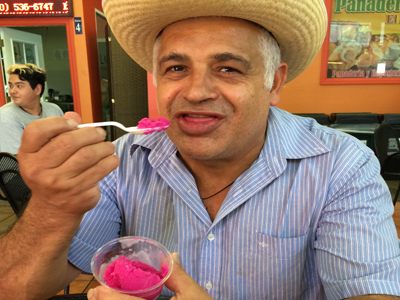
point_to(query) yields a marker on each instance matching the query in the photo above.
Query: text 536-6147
(39, 6)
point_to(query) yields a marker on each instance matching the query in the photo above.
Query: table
(69, 297)
(363, 132)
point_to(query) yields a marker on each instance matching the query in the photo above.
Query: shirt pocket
(280, 248)
(276, 266)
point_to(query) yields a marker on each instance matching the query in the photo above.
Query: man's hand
(183, 285)
(62, 165)
(103, 293)
(180, 282)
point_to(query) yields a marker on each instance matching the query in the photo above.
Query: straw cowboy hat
(299, 26)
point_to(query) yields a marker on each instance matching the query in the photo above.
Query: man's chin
(197, 147)
(199, 153)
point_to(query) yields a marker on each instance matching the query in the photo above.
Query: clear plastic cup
(142, 249)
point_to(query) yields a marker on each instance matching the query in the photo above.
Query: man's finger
(103, 293)
(38, 133)
(179, 281)
(63, 147)
(86, 158)
(73, 116)
(98, 171)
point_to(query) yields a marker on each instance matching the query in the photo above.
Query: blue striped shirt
(310, 219)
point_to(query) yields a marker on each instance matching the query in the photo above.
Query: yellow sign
(367, 6)
(364, 39)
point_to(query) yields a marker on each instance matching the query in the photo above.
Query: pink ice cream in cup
(132, 265)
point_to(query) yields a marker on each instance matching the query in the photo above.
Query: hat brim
(299, 26)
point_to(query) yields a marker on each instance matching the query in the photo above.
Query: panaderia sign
(367, 6)
(363, 42)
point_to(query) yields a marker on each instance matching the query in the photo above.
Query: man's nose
(200, 86)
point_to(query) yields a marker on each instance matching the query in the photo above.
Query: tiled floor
(84, 282)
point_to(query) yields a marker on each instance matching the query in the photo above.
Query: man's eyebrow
(173, 56)
(227, 56)
(18, 82)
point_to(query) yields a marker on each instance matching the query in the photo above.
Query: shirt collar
(160, 145)
(297, 135)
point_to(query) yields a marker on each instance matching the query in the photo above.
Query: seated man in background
(259, 204)
(25, 87)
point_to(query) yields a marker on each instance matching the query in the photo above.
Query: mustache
(200, 108)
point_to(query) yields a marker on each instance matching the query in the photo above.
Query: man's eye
(175, 69)
(229, 70)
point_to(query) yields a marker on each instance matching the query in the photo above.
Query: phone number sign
(29, 8)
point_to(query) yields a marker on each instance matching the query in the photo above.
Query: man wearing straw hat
(259, 204)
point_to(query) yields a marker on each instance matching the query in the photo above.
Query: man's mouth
(197, 116)
(198, 123)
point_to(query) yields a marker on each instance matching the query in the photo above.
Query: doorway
(46, 47)
(123, 82)
(101, 35)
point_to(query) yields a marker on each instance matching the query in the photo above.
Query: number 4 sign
(78, 25)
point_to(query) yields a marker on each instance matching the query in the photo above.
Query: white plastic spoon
(134, 130)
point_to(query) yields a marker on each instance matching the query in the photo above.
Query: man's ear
(279, 82)
(38, 89)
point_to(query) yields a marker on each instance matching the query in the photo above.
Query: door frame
(70, 29)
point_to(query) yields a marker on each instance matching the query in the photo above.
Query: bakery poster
(364, 39)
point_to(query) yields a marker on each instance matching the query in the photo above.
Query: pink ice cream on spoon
(154, 125)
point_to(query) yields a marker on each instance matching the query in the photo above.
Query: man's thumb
(74, 116)
(179, 279)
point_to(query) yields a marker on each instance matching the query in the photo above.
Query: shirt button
(211, 237)
(208, 286)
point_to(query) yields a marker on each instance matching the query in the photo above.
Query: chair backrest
(11, 183)
(391, 119)
(386, 142)
(355, 118)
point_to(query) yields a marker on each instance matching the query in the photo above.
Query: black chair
(322, 119)
(13, 187)
(387, 148)
(393, 120)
